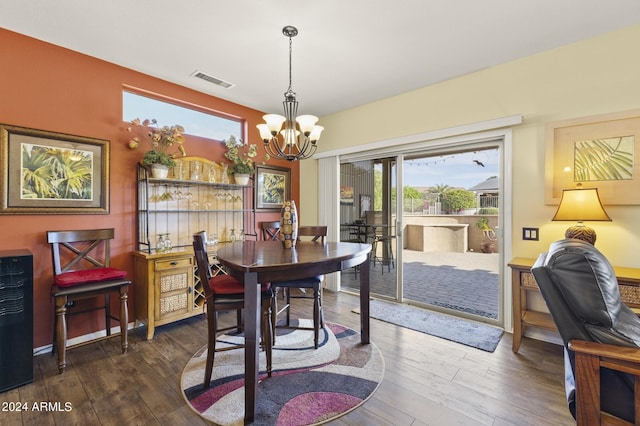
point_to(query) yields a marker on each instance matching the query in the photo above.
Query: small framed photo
(45, 172)
(365, 205)
(273, 187)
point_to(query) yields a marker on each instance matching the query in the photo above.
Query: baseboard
(83, 339)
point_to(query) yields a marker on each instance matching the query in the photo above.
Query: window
(197, 123)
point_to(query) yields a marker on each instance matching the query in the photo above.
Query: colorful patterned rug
(308, 386)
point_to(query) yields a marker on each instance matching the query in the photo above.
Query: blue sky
(456, 170)
(194, 122)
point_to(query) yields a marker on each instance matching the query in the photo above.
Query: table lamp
(581, 204)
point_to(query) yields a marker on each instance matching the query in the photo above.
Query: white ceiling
(347, 53)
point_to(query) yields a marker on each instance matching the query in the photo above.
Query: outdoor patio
(464, 282)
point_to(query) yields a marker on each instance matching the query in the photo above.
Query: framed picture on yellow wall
(46, 172)
(600, 152)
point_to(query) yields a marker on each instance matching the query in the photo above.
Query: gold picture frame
(273, 187)
(44, 172)
(598, 152)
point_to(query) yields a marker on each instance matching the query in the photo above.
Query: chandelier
(291, 142)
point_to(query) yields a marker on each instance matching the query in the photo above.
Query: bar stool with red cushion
(223, 293)
(81, 269)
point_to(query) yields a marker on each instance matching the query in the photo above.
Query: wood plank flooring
(428, 381)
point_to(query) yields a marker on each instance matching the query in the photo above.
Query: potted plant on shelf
(166, 143)
(241, 156)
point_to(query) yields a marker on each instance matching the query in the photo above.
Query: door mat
(470, 333)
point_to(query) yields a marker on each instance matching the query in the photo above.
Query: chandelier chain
(290, 54)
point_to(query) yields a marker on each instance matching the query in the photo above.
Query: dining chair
(81, 270)
(270, 231)
(314, 283)
(224, 293)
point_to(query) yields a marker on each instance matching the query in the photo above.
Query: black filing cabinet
(16, 318)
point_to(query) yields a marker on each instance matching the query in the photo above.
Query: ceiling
(347, 52)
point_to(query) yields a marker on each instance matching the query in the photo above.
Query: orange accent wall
(46, 87)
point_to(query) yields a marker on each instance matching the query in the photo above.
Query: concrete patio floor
(463, 282)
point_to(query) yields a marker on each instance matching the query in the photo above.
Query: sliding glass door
(450, 215)
(433, 220)
(368, 215)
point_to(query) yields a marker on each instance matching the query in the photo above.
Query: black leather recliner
(581, 291)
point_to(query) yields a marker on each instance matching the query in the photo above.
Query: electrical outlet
(530, 234)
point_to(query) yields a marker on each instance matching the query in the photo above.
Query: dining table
(255, 262)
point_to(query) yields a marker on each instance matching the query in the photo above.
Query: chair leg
(124, 319)
(316, 317)
(107, 312)
(288, 312)
(239, 321)
(212, 318)
(321, 310)
(267, 328)
(61, 332)
(274, 316)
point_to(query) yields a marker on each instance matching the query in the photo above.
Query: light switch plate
(530, 234)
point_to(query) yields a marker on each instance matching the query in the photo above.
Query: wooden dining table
(255, 262)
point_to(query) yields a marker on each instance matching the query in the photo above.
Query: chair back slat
(73, 249)
(202, 261)
(317, 232)
(270, 231)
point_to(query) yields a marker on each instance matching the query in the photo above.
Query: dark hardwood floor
(428, 381)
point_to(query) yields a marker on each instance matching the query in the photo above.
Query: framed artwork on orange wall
(273, 187)
(46, 172)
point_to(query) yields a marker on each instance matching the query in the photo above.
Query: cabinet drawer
(163, 265)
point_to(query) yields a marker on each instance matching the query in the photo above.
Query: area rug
(308, 386)
(458, 330)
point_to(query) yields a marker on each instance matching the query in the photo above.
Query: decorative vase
(241, 178)
(289, 224)
(159, 171)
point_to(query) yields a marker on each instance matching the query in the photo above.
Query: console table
(522, 282)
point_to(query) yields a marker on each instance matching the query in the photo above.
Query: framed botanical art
(597, 152)
(273, 187)
(46, 172)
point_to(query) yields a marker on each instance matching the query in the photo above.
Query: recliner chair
(600, 333)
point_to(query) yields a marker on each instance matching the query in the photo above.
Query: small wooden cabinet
(194, 197)
(165, 288)
(522, 282)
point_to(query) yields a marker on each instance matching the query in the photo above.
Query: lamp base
(581, 232)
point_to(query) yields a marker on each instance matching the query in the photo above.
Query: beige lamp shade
(582, 204)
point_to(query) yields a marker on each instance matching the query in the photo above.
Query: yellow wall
(597, 76)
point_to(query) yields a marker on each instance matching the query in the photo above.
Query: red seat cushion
(225, 284)
(86, 276)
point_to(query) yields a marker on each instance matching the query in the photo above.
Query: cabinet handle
(190, 290)
(174, 263)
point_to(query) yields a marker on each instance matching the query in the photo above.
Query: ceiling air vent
(213, 80)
